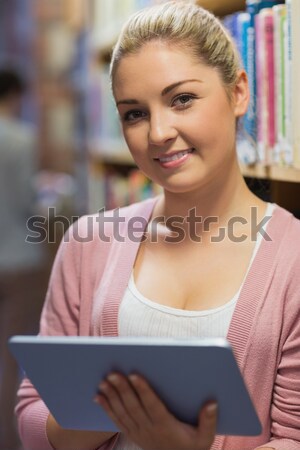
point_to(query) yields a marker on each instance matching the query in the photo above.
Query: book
(231, 24)
(111, 188)
(293, 62)
(246, 146)
(280, 148)
(243, 23)
(264, 28)
(253, 7)
(288, 151)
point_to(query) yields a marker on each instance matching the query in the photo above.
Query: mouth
(174, 156)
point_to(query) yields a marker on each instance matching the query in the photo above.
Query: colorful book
(280, 148)
(264, 27)
(246, 147)
(253, 8)
(110, 188)
(288, 151)
(96, 188)
(242, 25)
(231, 24)
(293, 44)
(251, 120)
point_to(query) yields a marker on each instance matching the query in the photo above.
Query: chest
(194, 277)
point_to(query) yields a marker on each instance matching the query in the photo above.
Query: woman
(228, 270)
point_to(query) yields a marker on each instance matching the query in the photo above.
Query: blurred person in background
(21, 263)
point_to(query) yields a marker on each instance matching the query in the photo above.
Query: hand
(143, 418)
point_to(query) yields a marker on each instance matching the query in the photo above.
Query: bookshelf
(223, 7)
(43, 40)
(105, 152)
(121, 156)
(273, 172)
(61, 60)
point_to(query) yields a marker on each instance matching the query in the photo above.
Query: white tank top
(140, 316)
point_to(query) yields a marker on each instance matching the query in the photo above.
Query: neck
(223, 197)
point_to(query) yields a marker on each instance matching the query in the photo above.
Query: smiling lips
(174, 159)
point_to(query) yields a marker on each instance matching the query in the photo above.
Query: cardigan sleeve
(285, 409)
(60, 316)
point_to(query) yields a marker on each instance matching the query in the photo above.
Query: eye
(183, 100)
(133, 115)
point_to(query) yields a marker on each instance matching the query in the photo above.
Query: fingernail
(102, 388)
(113, 378)
(133, 378)
(211, 409)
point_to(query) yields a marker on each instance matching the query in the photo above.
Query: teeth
(176, 156)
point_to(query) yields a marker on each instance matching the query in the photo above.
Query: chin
(182, 189)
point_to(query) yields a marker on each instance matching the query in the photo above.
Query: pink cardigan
(264, 331)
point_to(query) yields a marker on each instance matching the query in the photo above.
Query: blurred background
(44, 59)
(61, 150)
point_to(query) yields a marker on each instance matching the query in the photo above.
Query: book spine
(251, 120)
(279, 20)
(270, 82)
(243, 23)
(93, 104)
(253, 8)
(259, 63)
(288, 85)
(96, 187)
(293, 18)
(111, 189)
(246, 146)
(265, 85)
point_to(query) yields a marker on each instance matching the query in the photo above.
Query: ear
(241, 94)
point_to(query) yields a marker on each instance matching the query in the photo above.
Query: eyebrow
(166, 90)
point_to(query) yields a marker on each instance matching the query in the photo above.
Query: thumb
(207, 424)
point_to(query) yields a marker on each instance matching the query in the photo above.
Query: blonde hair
(186, 25)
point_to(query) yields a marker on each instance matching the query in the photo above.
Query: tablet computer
(185, 373)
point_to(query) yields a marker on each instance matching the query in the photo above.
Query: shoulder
(287, 226)
(96, 238)
(92, 225)
(106, 227)
(287, 229)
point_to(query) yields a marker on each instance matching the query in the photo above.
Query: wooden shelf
(223, 7)
(116, 158)
(276, 173)
(285, 186)
(103, 40)
(115, 152)
(110, 152)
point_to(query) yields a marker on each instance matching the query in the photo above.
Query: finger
(102, 401)
(116, 408)
(152, 404)
(130, 399)
(207, 424)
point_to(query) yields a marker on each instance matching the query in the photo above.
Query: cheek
(219, 123)
(214, 133)
(207, 121)
(136, 139)
(201, 129)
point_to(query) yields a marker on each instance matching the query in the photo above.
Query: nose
(161, 129)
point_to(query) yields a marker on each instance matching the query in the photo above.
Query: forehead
(156, 65)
